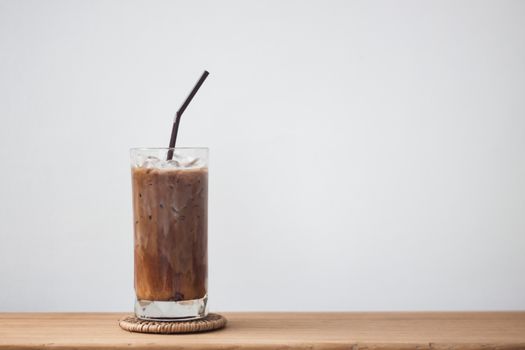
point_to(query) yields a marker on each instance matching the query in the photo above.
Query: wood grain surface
(281, 331)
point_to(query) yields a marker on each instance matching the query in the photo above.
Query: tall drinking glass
(170, 211)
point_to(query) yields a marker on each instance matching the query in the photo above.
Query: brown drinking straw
(181, 110)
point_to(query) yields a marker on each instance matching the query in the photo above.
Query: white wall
(366, 155)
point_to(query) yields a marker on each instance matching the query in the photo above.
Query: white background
(365, 155)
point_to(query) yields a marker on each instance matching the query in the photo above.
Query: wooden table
(281, 331)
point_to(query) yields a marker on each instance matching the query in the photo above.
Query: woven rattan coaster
(209, 323)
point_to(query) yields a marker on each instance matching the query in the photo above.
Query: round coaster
(206, 324)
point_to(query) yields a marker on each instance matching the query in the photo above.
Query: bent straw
(175, 128)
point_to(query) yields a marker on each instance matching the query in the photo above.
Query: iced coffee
(170, 209)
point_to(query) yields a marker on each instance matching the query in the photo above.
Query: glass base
(183, 310)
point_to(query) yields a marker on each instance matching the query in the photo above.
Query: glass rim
(166, 148)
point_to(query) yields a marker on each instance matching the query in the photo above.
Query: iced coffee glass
(170, 213)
